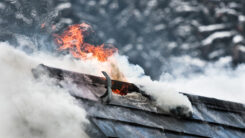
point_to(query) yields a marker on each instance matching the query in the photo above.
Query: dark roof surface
(134, 115)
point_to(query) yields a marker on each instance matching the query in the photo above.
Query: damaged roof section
(135, 114)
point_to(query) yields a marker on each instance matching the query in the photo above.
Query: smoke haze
(34, 108)
(39, 108)
(218, 79)
(164, 37)
(166, 96)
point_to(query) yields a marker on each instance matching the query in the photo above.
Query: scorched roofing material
(134, 115)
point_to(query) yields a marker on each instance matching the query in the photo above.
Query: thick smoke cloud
(218, 79)
(166, 96)
(40, 108)
(32, 108)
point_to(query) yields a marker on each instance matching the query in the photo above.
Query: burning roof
(116, 107)
(136, 114)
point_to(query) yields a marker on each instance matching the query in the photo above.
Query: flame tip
(73, 38)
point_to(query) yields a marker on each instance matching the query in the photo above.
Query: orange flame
(122, 91)
(73, 39)
(116, 91)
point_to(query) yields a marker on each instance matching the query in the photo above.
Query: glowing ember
(73, 39)
(122, 91)
(116, 91)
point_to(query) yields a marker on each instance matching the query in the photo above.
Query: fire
(73, 39)
(117, 91)
(122, 91)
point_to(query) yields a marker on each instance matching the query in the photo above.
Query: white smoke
(32, 108)
(218, 79)
(166, 96)
(38, 108)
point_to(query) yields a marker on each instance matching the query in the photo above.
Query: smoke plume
(218, 79)
(166, 96)
(39, 108)
(32, 108)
